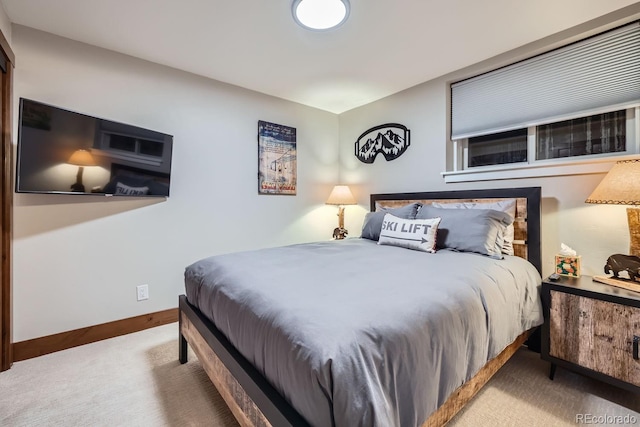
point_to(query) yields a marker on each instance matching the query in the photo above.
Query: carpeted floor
(136, 380)
(132, 380)
(521, 394)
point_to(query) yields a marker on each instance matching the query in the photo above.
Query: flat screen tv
(63, 152)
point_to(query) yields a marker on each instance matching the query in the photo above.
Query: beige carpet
(132, 380)
(521, 394)
(136, 380)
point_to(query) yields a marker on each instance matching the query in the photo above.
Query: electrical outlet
(143, 292)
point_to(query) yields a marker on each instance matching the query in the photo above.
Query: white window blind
(601, 71)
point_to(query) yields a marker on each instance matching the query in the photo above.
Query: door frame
(7, 61)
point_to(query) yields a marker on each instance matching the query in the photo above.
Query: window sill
(536, 170)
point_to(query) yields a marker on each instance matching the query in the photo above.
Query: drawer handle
(636, 341)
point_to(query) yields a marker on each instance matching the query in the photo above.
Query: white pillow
(507, 206)
(418, 234)
(125, 190)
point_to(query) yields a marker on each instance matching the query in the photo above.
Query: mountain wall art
(391, 139)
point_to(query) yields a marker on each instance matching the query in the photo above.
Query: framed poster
(277, 161)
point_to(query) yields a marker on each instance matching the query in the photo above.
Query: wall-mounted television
(63, 152)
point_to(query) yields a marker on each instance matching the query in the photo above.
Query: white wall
(594, 231)
(78, 259)
(5, 24)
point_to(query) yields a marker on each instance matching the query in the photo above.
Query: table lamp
(621, 186)
(80, 158)
(340, 195)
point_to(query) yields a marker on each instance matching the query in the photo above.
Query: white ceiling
(385, 46)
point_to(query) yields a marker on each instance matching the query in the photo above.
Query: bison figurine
(618, 262)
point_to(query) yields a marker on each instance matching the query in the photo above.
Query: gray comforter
(357, 334)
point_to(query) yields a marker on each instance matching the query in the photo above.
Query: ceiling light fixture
(320, 15)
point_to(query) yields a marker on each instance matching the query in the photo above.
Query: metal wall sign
(391, 139)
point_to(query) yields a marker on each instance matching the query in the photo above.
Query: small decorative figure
(619, 262)
(340, 233)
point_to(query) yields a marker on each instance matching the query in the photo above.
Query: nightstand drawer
(595, 334)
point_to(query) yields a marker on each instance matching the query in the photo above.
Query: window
(573, 105)
(150, 148)
(594, 136)
(132, 144)
(498, 149)
(121, 142)
(130, 147)
(597, 134)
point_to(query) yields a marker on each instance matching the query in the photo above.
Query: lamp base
(633, 217)
(79, 188)
(340, 233)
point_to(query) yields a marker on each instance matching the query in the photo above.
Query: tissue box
(568, 265)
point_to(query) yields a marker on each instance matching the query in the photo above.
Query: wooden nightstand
(593, 329)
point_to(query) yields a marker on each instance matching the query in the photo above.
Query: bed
(425, 338)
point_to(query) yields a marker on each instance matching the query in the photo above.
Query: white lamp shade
(341, 195)
(620, 186)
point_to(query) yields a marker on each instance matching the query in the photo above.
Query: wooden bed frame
(254, 402)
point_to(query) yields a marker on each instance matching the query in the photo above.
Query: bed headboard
(527, 222)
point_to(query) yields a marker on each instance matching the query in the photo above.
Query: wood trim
(44, 345)
(6, 49)
(243, 407)
(6, 206)
(620, 283)
(468, 390)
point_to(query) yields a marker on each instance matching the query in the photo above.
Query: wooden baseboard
(44, 345)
